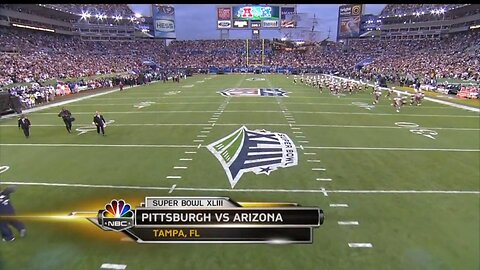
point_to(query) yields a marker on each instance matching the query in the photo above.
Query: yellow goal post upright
(248, 51)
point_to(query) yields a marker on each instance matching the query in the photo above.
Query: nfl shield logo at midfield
(254, 92)
(257, 151)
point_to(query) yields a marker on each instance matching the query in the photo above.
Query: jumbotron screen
(253, 16)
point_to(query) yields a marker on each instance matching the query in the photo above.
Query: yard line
(174, 177)
(297, 132)
(309, 154)
(319, 169)
(185, 159)
(347, 223)
(301, 146)
(300, 136)
(190, 152)
(264, 124)
(113, 266)
(313, 160)
(180, 167)
(324, 179)
(172, 188)
(191, 146)
(201, 136)
(210, 121)
(393, 148)
(297, 112)
(338, 205)
(199, 145)
(207, 128)
(98, 145)
(324, 192)
(464, 192)
(303, 141)
(360, 245)
(205, 131)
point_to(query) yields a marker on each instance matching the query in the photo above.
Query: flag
(365, 62)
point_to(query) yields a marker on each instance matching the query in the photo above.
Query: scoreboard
(254, 17)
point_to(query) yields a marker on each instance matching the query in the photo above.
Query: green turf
(407, 230)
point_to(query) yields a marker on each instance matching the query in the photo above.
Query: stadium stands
(30, 57)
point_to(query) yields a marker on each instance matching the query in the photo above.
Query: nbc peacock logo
(117, 216)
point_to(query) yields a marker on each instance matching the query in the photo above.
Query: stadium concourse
(395, 168)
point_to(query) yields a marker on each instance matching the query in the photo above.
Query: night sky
(199, 21)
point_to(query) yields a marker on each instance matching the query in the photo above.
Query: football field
(399, 190)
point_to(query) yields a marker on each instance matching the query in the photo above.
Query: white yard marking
(393, 148)
(113, 266)
(190, 152)
(211, 121)
(180, 167)
(301, 146)
(303, 141)
(310, 154)
(185, 159)
(199, 145)
(264, 124)
(174, 177)
(338, 205)
(205, 131)
(201, 136)
(313, 160)
(324, 192)
(360, 245)
(213, 124)
(324, 179)
(297, 132)
(299, 112)
(197, 140)
(347, 223)
(192, 146)
(300, 136)
(207, 128)
(319, 169)
(463, 192)
(172, 188)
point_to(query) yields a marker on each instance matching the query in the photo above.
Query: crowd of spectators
(104, 9)
(408, 9)
(39, 57)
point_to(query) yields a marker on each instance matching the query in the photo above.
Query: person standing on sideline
(67, 118)
(25, 124)
(99, 121)
(7, 213)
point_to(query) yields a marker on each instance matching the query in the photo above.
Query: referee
(67, 118)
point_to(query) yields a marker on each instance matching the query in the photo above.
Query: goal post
(247, 44)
